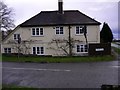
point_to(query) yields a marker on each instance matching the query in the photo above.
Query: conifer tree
(106, 34)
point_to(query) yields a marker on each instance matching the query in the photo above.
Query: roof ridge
(57, 11)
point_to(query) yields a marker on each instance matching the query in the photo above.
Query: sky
(100, 10)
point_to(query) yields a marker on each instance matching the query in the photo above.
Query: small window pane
(18, 36)
(9, 50)
(78, 48)
(14, 36)
(34, 50)
(77, 30)
(5, 50)
(41, 31)
(37, 31)
(81, 31)
(42, 50)
(61, 31)
(86, 48)
(38, 50)
(33, 31)
(82, 50)
(57, 31)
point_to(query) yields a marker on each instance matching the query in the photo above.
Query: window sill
(82, 52)
(80, 35)
(59, 34)
(38, 36)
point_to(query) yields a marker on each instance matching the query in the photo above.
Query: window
(34, 50)
(41, 31)
(7, 50)
(82, 48)
(38, 50)
(80, 30)
(16, 36)
(59, 30)
(37, 31)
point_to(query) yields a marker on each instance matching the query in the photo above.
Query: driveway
(61, 75)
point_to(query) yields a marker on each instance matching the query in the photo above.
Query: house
(55, 33)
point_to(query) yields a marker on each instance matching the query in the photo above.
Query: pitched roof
(51, 18)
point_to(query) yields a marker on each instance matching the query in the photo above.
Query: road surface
(61, 75)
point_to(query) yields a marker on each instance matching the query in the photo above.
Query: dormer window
(37, 32)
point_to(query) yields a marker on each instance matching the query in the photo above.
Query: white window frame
(39, 31)
(7, 50)
(16, 36)
(81, 46)
(59, 30)
(80, 28)
(38, 50)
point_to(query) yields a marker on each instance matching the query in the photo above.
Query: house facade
(55, 33)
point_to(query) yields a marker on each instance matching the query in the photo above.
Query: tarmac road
(61, 75)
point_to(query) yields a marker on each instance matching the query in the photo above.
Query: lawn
(56, 59)
(117, 50)
(13, 87)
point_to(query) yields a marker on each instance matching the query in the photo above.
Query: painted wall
(93, 35)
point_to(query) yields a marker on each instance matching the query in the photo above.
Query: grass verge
(13, 87)
(117, 50)
(56, 59)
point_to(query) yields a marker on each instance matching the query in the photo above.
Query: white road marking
(37, 69)
(116, 66)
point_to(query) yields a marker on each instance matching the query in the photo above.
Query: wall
(93, 36)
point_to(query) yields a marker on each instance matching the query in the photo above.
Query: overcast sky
(100, 10)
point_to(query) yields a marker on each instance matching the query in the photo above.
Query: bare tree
(63, 45)
(22, 47)
(6, 19)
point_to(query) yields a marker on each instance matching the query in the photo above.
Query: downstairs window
(82, 48)
(7, 50)
(38, 50)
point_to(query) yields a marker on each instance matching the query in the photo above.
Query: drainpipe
(70, 45)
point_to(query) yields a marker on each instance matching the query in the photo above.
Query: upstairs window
(82, 48)
(7, 50)
(16, 36)
(59, 30)
(80, 30)
(37, 32)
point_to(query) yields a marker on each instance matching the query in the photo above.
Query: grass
(13, 87)
(56, 59)
(117, 50)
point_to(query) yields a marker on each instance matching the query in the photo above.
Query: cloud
(101, 10)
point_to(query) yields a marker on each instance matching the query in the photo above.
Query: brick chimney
(60, 6)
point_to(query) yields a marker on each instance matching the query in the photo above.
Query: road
(61, 75)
